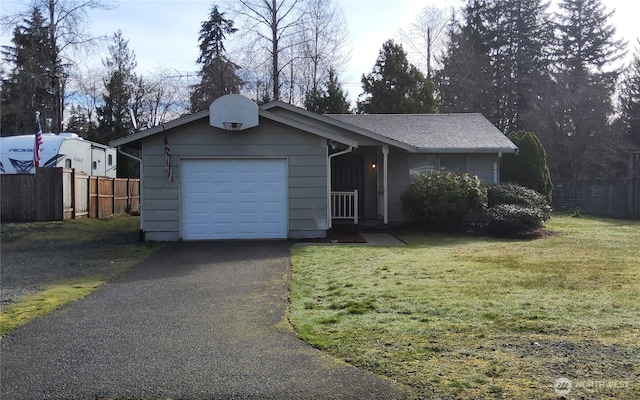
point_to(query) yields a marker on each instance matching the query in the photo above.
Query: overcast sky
(164, 33)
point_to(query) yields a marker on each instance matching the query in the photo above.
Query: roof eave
(307, 128)
(481, 150)
(139, 136)
(339, 124)
(159, 128)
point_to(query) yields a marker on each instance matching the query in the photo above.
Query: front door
(347, 174)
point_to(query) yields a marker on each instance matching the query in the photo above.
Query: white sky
(164, 33)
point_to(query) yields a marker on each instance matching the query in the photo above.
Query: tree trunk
(274, 37)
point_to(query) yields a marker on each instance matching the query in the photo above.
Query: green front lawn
(473, 317)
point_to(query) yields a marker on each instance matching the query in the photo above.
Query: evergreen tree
(330, 101)
(79, 122)
(497, 61)
(218, 75)
(114, 120)
(395, 86)
(465, 83)
(575, 115)
(521, 37)
(528, 168)
(27, 87)
(630, 101)
(113, 117)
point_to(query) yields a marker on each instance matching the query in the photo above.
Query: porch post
(329, 205)
(385, 173)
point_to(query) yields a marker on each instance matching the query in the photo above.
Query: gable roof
(325, 119)
(422, 133)
(435, 133)
(137, 137)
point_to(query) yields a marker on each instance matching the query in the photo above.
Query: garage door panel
(234, 199)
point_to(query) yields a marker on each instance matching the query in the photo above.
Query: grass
(27, 308)
(470, 317)
(110, 245)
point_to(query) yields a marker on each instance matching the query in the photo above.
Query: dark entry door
(347, 174)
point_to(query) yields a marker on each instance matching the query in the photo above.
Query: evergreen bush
(440, 200)
(515, 209)
(529, 167)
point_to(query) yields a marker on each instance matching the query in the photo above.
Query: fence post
(97, 198)
(73, 193)
(113, 196)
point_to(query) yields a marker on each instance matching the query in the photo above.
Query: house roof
(434, 133)
(274, 105)
(137, 137)
(423, 133)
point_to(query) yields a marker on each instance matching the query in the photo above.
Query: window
(453, 162)
(110, 160)
(67, 163)
(423, 164)
(429, 163)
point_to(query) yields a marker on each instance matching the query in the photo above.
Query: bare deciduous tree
(271, 24)
(324, 44)
(157, 99)
(426, 35)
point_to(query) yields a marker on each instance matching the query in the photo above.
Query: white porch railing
(344, 205)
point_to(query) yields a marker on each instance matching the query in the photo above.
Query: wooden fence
(613, 197)
(54, 194)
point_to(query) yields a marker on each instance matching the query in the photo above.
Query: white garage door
(233, 199)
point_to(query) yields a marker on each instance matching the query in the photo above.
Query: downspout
(385, 184)
(141, 233)
(496, 168)
(329, 158)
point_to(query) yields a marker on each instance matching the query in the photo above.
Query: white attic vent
(233, 112)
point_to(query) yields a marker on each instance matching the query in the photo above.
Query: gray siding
(306, 156)
(483, 166)
(398, 181)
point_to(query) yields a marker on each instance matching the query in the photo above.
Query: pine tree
(79, 122)
(575, 126)
(521, 37)
(27, 87)
(218, 75)
(395, 86)
(114, 120)
(330, 101)
(497, 61)
(630, 101)
(465, 83)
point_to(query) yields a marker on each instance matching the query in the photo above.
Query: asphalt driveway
(197, 320)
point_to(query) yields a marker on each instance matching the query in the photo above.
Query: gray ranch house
(239, 171)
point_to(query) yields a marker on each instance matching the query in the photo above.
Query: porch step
(362, 226)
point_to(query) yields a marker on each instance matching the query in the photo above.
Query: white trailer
(66, 150)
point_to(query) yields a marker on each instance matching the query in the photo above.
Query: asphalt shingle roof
(468, 133)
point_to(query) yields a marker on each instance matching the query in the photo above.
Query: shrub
(529, 167)
(510, 193)
(514, 209)
(440, 200)
(510, 219)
